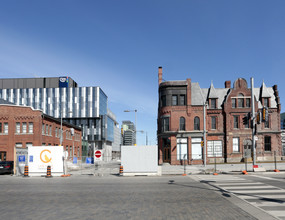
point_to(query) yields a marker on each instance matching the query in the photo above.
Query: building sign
(43, 156)
(22, 158)
(63, 81)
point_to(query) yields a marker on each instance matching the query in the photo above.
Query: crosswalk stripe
(269, 198)
(245, 187)
(266, 204)
(241, 184)
(256, 191)
(277, 213)
(277, 197)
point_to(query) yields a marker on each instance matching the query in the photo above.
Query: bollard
(26, 172)
(48, 172)
(121, 170)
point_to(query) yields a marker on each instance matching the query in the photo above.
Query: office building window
(267, 143)
(19, 145)
(236, 122)
(182, 100)
(46, 129)
(196, 123)
(18, 128)
(165, 124)
(182, 124)
(174, 100)
(214, 122)
(163, 101)
(31, 127)
(43, 129)
(24, 127)
(0, 127)
(235, 144)
(6, 128)
(29, 144)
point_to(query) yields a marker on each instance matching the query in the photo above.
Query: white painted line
(258, 191)
(277, 197)
(261, 204)
(277, 213)
(247, 187)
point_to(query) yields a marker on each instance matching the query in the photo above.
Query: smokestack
(228, 84)
(159, 75)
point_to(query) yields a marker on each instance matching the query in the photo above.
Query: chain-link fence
(270, 160)
(103, 165)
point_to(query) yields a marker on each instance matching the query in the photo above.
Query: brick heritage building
(22, 127)
(228, 130)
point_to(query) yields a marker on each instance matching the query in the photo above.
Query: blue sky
(119, 45)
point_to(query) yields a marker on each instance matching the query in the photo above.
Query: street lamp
(146, 139)
(60, 142)
(135, 123)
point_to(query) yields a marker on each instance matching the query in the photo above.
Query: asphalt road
(112, 197)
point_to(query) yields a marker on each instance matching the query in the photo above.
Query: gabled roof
(212, 92)
(197, 96)
(264, 91)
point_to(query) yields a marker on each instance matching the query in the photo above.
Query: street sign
(98, 155)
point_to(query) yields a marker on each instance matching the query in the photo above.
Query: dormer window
(266, 102)
(213, 103)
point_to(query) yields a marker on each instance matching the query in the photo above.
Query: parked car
(6, 167)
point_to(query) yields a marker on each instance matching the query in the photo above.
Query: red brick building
(228, 129)
(21, 127)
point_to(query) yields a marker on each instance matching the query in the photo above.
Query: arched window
(196, 123)
(182, 124)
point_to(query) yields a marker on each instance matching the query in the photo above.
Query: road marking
(261, 195)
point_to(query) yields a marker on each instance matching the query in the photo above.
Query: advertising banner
(42, 156)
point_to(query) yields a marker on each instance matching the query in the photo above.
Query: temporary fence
(92, 165)
(268, 160)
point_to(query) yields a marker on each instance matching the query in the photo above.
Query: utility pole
(204, 133)
(253, 121)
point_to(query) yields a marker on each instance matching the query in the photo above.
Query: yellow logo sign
(45, 156)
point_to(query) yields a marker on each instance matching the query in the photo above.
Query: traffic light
(202, 143)
(258, 117)
(263, 114)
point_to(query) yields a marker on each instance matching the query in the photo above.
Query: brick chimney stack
(159, 75)
(228, 84)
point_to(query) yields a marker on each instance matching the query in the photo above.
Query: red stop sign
(98, 154)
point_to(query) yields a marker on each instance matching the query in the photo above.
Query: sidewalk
(112, 168)
(168, 169)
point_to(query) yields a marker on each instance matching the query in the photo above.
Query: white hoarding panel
(139, 159)
(42, 156)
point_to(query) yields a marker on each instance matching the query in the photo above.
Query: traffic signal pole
(204, 133)
(253, 121)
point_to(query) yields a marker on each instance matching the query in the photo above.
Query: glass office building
(82, 106)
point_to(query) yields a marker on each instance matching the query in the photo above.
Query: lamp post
(135, 123)
(146, 139)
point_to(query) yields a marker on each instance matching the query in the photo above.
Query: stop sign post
(98, 155)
